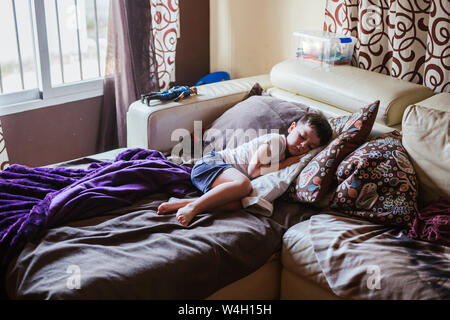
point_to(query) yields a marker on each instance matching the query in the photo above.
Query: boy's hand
(295, 159)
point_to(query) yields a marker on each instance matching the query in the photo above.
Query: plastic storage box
(324, 47)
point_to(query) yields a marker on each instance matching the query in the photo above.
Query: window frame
(47, 94)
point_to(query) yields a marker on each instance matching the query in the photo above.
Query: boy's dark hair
(320, 124)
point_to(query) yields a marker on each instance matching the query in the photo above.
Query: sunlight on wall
(249, 37)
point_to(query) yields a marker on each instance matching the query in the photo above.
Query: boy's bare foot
(185, 215)
(173, 205)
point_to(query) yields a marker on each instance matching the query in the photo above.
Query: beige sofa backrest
(345, 89)
(337, 91)
(426, 137)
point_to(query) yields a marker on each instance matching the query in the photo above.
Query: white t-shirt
(240, 156)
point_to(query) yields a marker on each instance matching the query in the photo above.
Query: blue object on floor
(213, 77)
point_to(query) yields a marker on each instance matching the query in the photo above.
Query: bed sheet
(362, 260)
(133, 253)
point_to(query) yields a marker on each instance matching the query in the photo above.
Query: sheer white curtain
(166, 31)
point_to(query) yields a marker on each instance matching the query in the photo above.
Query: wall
(53, 134)
(249, 37)
(192, 56)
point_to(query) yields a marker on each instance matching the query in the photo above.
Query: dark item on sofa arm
(432, 223)
(176, 93)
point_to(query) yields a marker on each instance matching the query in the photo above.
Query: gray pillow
(252, 118)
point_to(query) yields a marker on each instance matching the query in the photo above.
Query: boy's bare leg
(230, 186)
(173, 205)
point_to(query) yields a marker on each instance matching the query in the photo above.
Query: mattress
(132, 253)
(363, 260)
(299, 261)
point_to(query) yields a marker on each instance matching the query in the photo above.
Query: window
(52, 51)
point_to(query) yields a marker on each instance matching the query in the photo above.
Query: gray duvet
(362, 260)
(133, 253)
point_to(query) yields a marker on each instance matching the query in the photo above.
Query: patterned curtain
(166, 31)
(4, 162)
(406, 39)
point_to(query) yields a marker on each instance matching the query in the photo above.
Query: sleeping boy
(224, 176)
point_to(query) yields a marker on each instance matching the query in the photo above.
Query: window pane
(97, 13)
(17, 55)
(72, 28)
(103, 18)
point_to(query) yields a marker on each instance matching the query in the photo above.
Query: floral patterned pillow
(338, 123)
(378, 182)
(316, 178)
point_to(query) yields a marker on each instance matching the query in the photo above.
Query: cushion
(190, 148)
(432, 223)
(378, 182)
(252, 118)
(426, 136)
(268, 187)
(317, 177)
(439, 101)
(297, 254)
(338, 123)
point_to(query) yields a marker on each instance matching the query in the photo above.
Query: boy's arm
(260, 162)
(259, 158)
(265, 169)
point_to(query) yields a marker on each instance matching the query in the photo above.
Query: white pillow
(270, 186)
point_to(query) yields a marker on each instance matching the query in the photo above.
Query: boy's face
(301, 139)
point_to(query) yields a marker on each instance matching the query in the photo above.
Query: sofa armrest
(426, 133)
(152, 126)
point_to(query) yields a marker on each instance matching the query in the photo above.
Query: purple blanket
(35, 199)
(432, 223)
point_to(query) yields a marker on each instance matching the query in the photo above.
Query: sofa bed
(303, 250)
